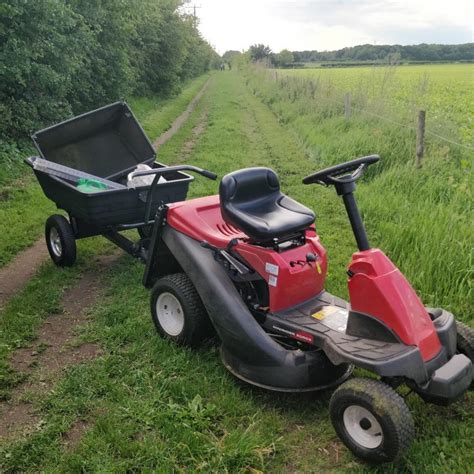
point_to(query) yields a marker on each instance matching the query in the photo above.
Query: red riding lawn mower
(250, 264)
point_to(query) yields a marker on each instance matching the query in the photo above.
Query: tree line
(370, 52)
(63, 57)
(355, 55)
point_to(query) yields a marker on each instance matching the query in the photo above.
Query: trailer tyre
(60, 241)
(178, 312)
(465, 342)
(372, 420)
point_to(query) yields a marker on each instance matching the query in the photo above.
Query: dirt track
(54, 350)
(181, 120)
(15, 275)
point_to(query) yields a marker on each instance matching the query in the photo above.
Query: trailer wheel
(465, 342)
(372, 420)
(178, 312)
(60, 241)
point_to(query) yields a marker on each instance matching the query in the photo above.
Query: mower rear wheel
(178, 312)
(60, 241)
(465, 342)
(372, 420)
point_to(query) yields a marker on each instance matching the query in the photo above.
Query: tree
(231, 57)
(284, 58)
(39, 62)
(258, 52)
(62, 57)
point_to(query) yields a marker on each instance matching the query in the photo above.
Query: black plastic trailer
(107, 143)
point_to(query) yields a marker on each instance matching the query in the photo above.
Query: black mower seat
(251, 200)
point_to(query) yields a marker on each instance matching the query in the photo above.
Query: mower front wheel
(178, 312)
(60, 241)
(372, 420)
(465, 342)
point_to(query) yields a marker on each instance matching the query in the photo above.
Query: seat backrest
(247, 185)
(251, 201)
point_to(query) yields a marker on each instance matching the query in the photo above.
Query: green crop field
(146, 405)
(445, 91)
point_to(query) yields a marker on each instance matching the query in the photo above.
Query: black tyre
(145, 231)
(178, 312)
(465, 342)
(372, 420)
(60, 241)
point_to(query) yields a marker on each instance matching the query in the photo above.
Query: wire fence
(348, 104)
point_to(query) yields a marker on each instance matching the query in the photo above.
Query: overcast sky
(333, 24)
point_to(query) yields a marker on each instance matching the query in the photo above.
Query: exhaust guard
(247, 350)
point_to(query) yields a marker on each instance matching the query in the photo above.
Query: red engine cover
(379, 289)
(288, 284)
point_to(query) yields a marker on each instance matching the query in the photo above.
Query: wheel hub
(170, 313)
(362, 426)
(365, 424)
(55, 242)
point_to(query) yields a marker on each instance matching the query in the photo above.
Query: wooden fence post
(420, 138)
(347, 105)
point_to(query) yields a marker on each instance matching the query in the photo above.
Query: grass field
(149, 406)
(445, 91)
(424, 218)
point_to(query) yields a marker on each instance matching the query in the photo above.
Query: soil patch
(15, 275)
(179, 122)
(191, 142)
(4, 195)
(53, 351)
(74, 435)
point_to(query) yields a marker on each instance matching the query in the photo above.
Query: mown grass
(40, 298)
(150, 406)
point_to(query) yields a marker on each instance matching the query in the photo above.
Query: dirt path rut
(53, 351)
(179, 122)
(15, 275)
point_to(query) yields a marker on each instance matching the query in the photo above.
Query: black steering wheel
(347, 172)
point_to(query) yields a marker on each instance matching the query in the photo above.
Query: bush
(60, 58)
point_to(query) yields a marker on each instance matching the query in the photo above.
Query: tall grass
(422, 218)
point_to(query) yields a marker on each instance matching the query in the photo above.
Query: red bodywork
(377, 287)
(288, 285)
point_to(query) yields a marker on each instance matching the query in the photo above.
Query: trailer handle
(170, 169)
(159, 172)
